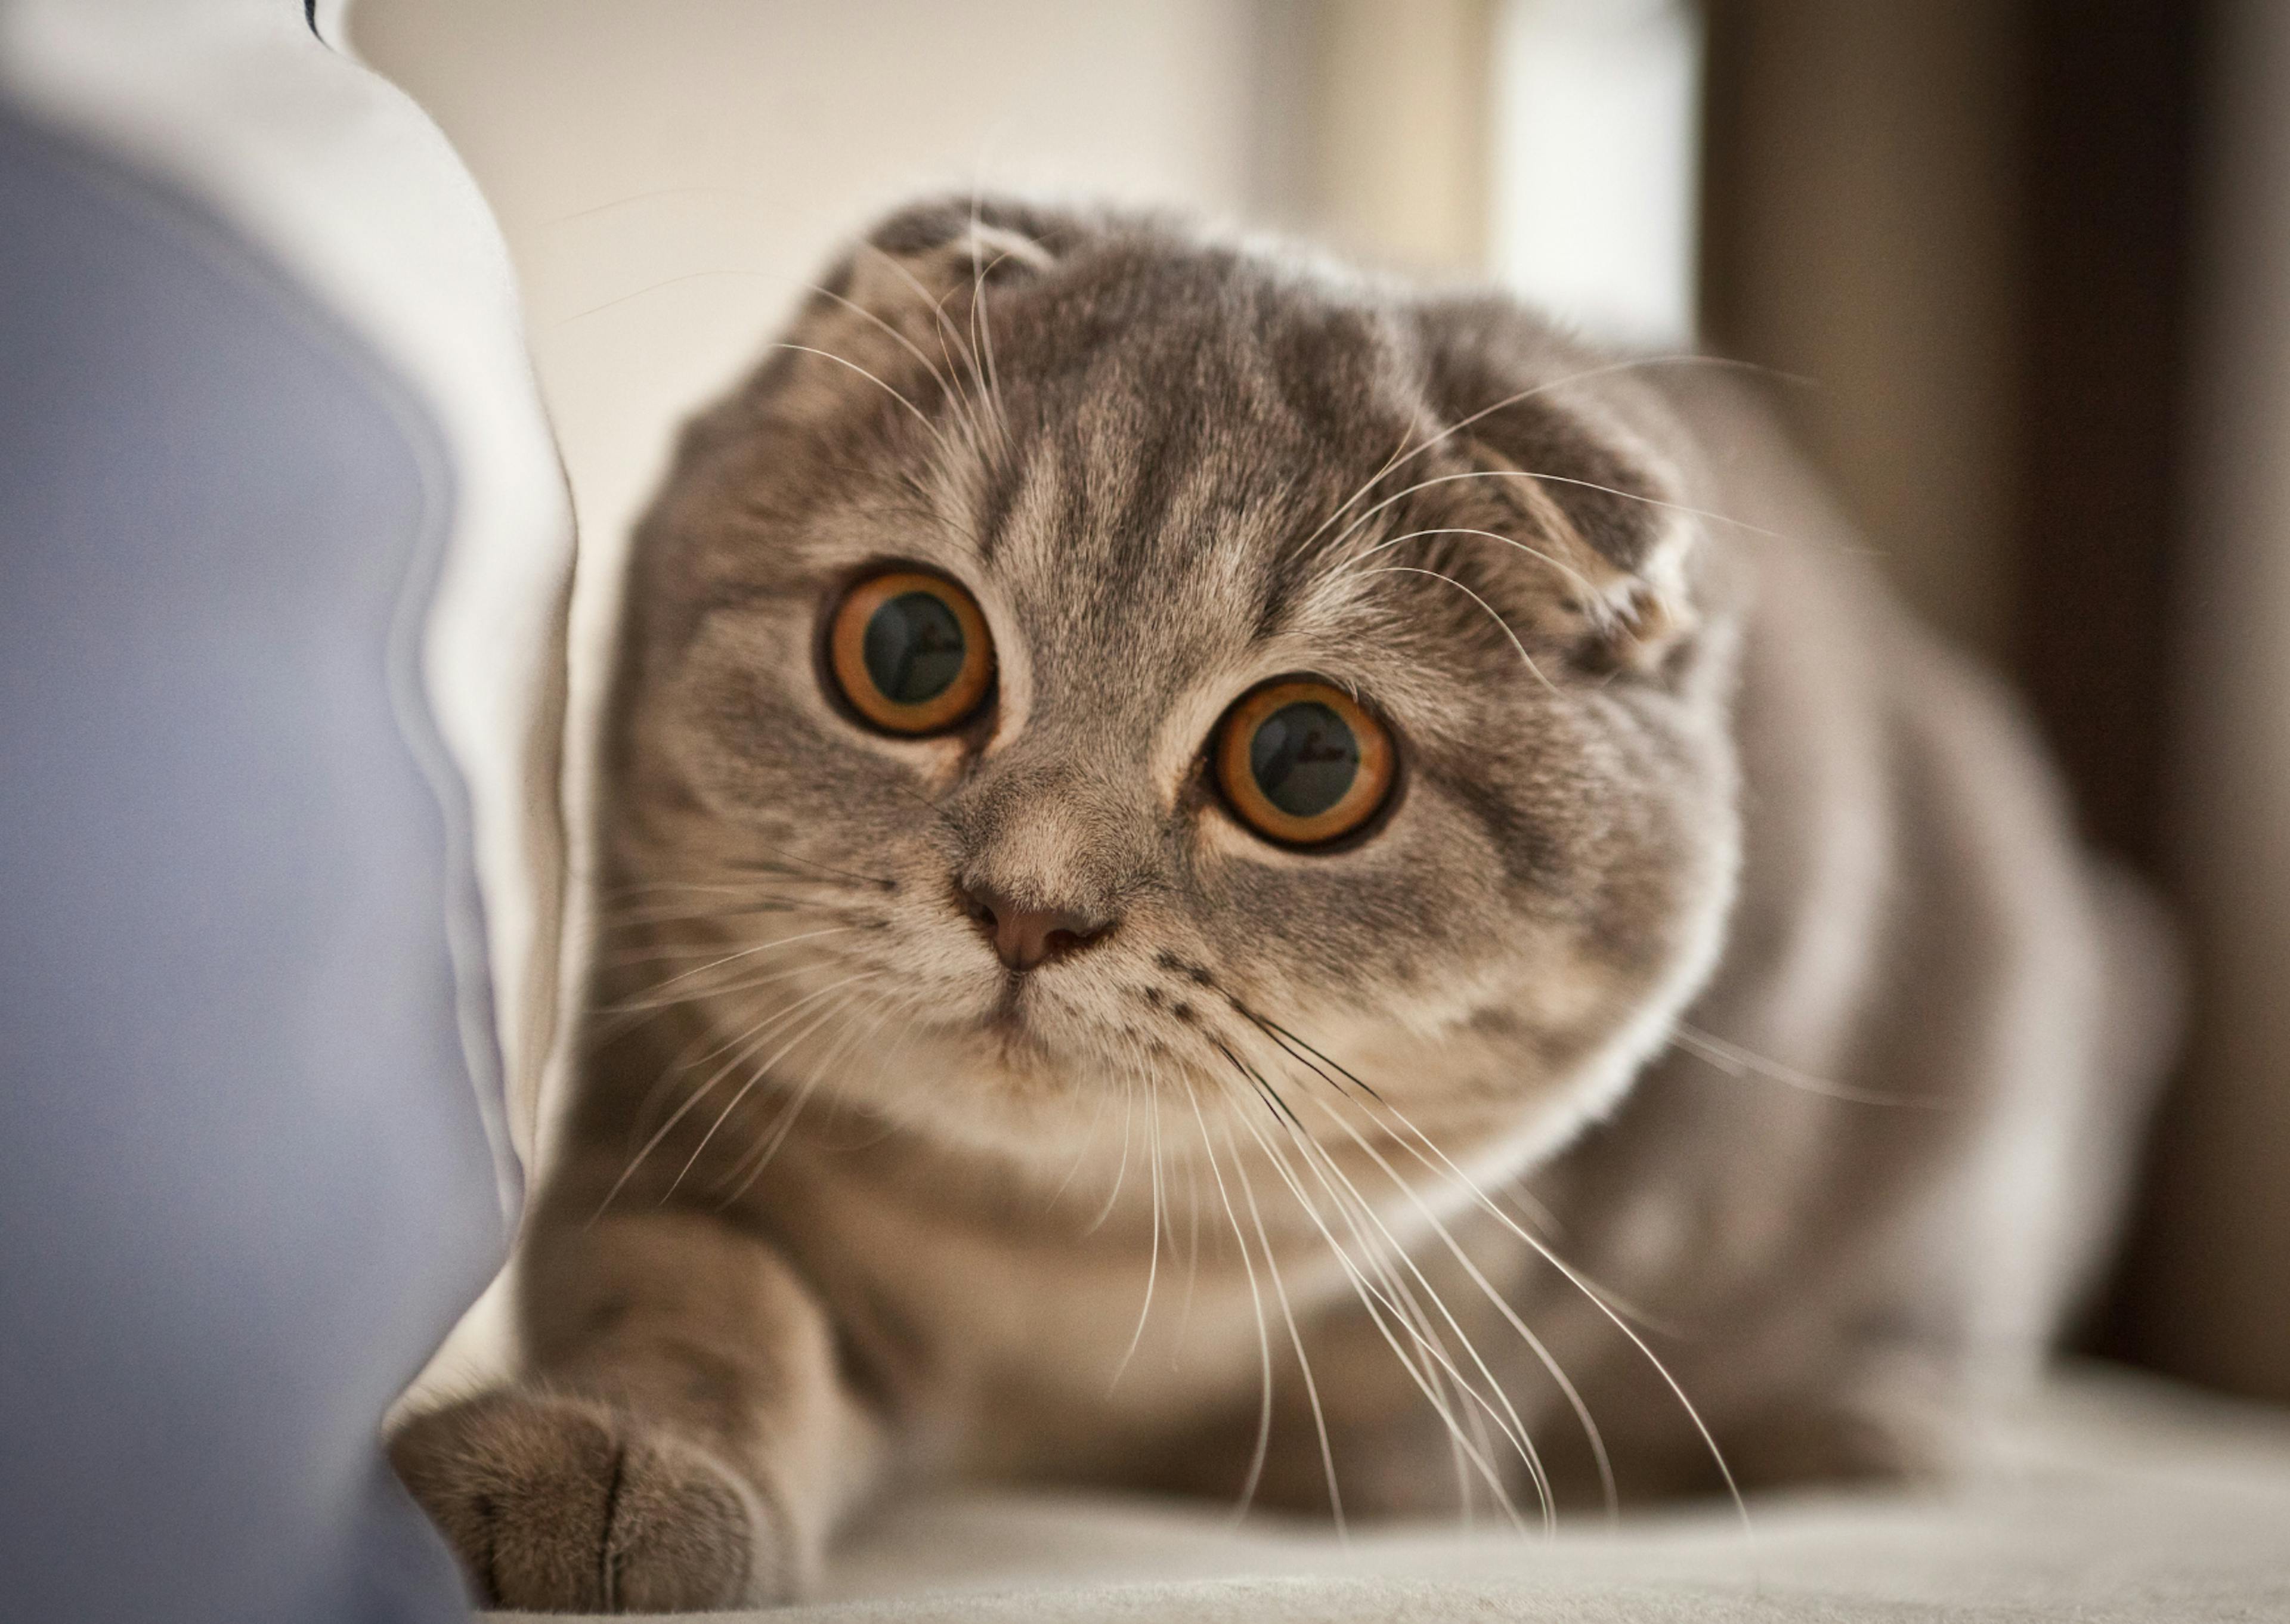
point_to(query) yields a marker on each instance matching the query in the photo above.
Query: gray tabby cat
(1227, 878)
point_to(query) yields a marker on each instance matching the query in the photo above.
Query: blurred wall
(1392, 122)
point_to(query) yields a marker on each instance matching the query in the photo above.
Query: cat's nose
(1024, 937)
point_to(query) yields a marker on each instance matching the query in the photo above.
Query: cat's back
(1878, 1160)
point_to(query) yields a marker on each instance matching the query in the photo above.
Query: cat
(1225, 876)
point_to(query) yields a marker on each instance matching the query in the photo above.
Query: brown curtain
(2028, 251)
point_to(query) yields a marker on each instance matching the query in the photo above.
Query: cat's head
(1088, 663)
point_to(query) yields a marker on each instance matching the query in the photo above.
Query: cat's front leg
(680, 1437)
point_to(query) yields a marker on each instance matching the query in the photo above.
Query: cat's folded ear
(1571, 455)
(896, 320)
(1623, 598)
(920, 270)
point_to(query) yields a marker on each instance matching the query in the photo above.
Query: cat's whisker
(953, 392)
(1480, 1409)
(1389, 1293)
(1586, 375)
(656, 949)
(981, 323)
(1403, 569)
(1543, 1356)
(755, 1079)
(704, 1047)
(1153, 1260)
(1366, 486)
(892, 999)
(1574, 1277)
(646, 195)
(1113, 1195)
(945, 818)
(1192, 1253)
(936, 433)
(740, 953)
(806, 870)
(1616, 492)
(988, 445)
(746, 1044)
(1493, 1295)
(629, 1010)
(1081, 1156)
(1567, 570)
(1737, 1061)
(948, 386)
(1384, 1311)
(703, 900)
(1354, 1205)
(711, 1039)
(622, 920)
(814, 872)
(936, 306)
(1515, 1189)
(1295, 1338)
(654, 287)
(768, 1145)
(1263, 1336)
(647, 887)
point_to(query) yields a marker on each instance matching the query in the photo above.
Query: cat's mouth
(1007, 1024)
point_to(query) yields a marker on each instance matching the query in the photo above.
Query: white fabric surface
(2107, 1498)
(353, 189)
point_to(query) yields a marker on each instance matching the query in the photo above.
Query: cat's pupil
(914, 648)
(1303, 757)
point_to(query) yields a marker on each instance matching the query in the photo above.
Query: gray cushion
(243, 1183)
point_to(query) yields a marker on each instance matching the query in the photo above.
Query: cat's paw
(556, 1504)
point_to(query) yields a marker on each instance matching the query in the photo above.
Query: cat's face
(953, 641)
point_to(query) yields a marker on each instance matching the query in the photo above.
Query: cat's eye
(909, 652)
(1302, 763)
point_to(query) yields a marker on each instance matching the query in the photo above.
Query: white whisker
(1295, 1338)
(1568, 569)
(754, 1079)
(1153, 1262)
(1263, 1336)
(1572, 1275)
(692, 1101)
(1496, 1298)
(1383, 1313)
(1737, 1061)
(935, 432)
(1403, 569)
(1113, 1195)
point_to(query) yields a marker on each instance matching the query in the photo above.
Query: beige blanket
(2108, 1498)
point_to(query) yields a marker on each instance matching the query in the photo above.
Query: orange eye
(1301, 762)
(910, 652)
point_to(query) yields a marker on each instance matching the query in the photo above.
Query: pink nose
(1025, 936)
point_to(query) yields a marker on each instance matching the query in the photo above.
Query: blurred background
(2025, 256)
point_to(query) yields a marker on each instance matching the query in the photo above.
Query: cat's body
(1718, 1010)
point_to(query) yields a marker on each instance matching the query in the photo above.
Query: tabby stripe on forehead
(1004, 476)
